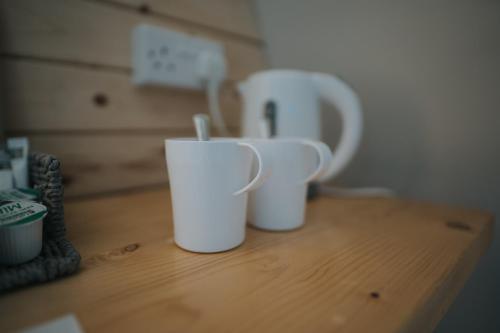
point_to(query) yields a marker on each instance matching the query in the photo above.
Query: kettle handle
(338, 93)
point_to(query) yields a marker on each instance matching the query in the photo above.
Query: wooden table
(359, 265)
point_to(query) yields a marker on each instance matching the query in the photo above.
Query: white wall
(428, 73)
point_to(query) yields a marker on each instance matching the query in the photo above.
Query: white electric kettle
(290, 101)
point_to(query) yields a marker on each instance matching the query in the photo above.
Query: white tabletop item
(209, 181)
(68, 324)
(280, 203)
(19, 149)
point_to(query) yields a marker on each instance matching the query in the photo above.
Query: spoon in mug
(201, 124)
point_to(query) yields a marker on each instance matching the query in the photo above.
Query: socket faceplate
(165, 57)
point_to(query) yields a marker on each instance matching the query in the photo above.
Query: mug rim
(216, 140)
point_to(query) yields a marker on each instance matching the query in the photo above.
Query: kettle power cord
(356, 192)
(212, 71)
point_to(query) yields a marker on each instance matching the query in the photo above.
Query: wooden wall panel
(100, 162)
(65, 77)
(99, 33)
(41, 96)
(234, 16)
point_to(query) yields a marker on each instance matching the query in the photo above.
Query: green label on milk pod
(19, 194)
(20, 212)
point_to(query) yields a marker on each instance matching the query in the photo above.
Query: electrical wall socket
(165, 57)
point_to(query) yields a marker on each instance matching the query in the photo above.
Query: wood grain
(234, 16)
(99, 162)
(358, 265)
(41, 96)
(91, 32)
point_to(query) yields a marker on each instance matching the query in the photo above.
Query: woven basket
(58, 257)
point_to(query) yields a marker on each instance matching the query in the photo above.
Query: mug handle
(262, 172)
(325, 160)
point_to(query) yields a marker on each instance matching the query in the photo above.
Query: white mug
(209, 181)
(280, 203)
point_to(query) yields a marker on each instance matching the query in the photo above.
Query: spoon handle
(201, 123)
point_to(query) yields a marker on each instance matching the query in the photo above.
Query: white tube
(18, 149)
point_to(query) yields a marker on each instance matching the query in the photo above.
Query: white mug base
(207, 249)
(275, 227)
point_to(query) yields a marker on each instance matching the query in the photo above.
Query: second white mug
(281, 201)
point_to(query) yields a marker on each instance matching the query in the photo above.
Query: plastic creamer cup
(21, 226)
